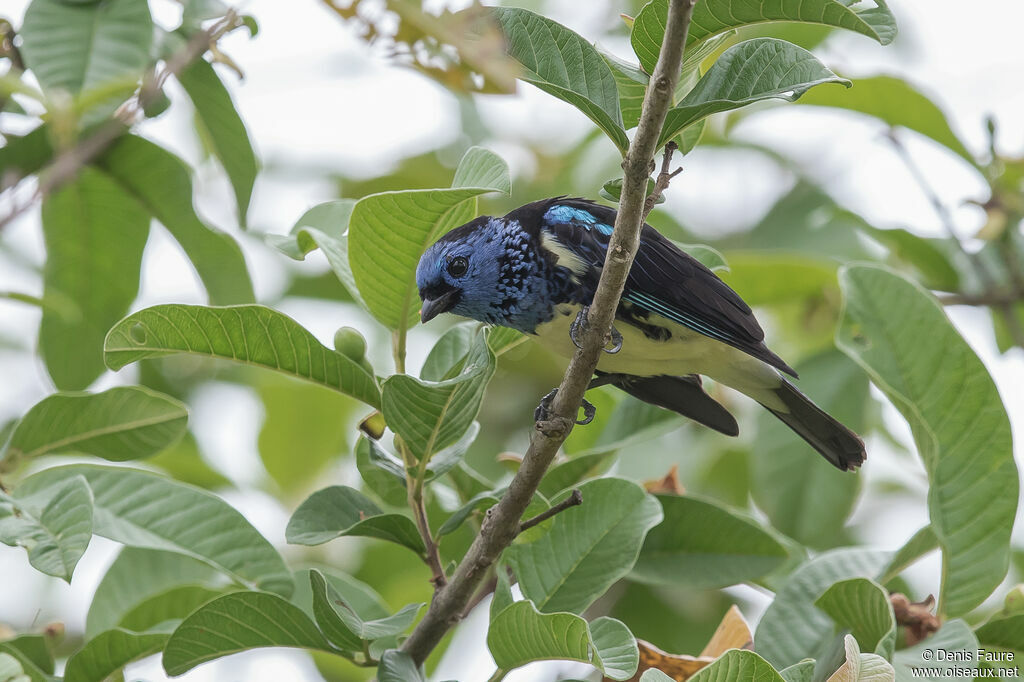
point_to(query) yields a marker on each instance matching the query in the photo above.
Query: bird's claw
(543, 411)
(580, 323)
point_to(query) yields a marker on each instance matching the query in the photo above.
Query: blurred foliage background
(787, 195)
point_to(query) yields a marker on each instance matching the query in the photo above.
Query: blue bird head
(460, 273)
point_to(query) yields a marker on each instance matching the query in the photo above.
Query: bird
(536, 270)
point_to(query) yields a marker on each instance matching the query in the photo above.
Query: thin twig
(664, 178)
(501, 524)
(990, 298)
(68, 163)
(576, 498)
(432, 556)
(988, 280)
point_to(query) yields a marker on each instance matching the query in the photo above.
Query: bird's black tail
(836, 443)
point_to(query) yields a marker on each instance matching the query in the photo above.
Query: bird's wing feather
(664, 280)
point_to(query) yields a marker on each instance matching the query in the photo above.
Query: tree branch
(501, 523)
(68, 163)
(575, 499)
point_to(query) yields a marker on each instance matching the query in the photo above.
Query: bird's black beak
(432, 307)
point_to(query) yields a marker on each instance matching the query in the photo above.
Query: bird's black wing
(664, 280)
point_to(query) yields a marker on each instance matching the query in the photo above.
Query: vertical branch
(501, 523)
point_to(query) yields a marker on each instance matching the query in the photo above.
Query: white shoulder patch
(564, 257)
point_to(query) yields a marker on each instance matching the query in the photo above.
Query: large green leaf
(713, 17)
(78, 46)
(136, 576)
(958, 420)
(563, 64)
(521, 634)
(239, 622)
(896, 102)
(160, 181)
(430, 416)
(631, 83)
(342, 511)
(793, 628)
(738, 665)
(141, 509)
(95, 234)
(388, 233)
(587, 548)
(862, 606)
(226, 131)
(55, 532)
(122, 423)
(751, 71)
(701, 545)
(26, 154)
(169, 606)
(105, 654)
(804, 496)
(249, 334)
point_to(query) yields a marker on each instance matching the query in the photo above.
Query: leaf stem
(498, 675)
(398, 348)
(502, 521)
(414, 487)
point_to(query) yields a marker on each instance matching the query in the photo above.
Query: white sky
(315, 95)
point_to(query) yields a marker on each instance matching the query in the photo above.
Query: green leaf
(446, 459)
(331, 609)
(920, 544)
(172, 605)
(482, 168)
(561, 63)
(521, 634)
(701, 545)
(612, 190)
(388, 232)
(82, 46)
(737, 665)
(110, 651)
(862, 606)
(340, 511)
(398, 666)
(122, 423)
(136, 576)
(631, 83)
(26, 154)
(962, 434)
(445, 359)
(712, 17)
(225, 128)
(799, 672)
(249, 334)
(925, 256)
(898, 103)
(804, 496)
(160, 181)
(587, 548)
(55, 532)
(655, 675)
(141, 509)
(751, 71)
(33, 655)
(382, 472)
(430, 416)
(954, 635)
(755, 276)
(793, 628)
(572, 471)
(239, 622)
(483, 500)
(1004, 632)
(95, 234)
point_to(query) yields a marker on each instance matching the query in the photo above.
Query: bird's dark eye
(458, 266)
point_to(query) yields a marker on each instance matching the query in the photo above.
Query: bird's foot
(543, 411)
(580, 323)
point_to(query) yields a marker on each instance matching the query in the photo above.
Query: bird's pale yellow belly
(686, 352)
